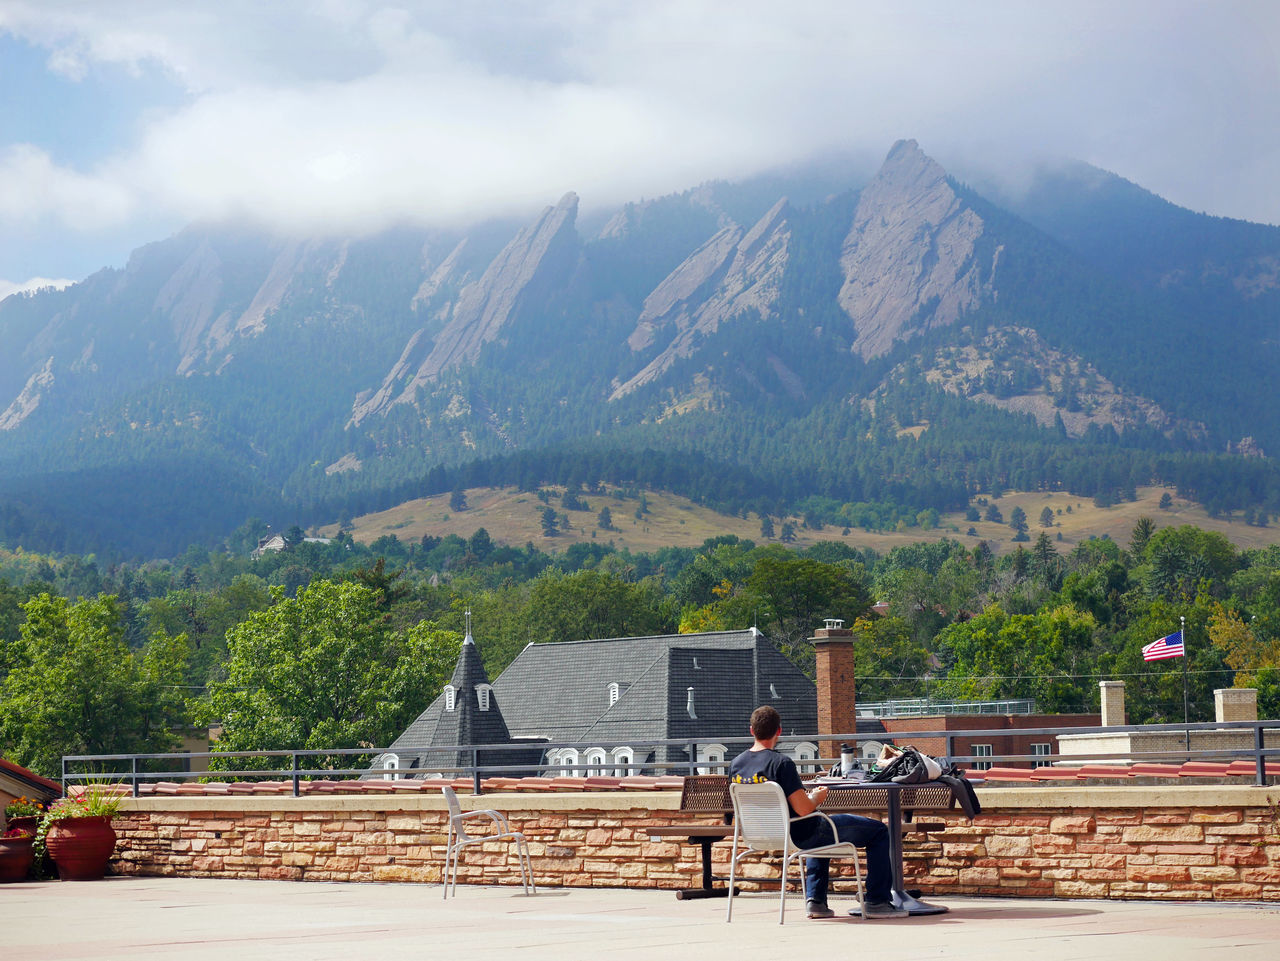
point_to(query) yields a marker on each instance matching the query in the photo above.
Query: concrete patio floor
(187, 918)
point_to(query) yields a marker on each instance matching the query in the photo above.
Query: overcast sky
(123, 120)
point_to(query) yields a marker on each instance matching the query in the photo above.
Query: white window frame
(450, 697)
(568, 759)
(391, 762)
(805, 754)
(1042, 749)
(595, 761)
(870, 750)
(711, 754)
(623, 758)
(981, 750)
(615, 691)
(482, 695)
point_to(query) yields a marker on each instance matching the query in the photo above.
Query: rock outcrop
(1065, 387)
(28, 400)
(908, 259)
(731, 273)
(535, 260)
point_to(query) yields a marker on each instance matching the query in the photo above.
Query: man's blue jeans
(865, 833)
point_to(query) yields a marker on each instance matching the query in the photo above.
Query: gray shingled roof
(560, 692)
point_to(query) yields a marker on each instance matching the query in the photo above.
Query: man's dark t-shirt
(755, 767)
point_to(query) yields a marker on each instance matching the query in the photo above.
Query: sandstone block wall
(1219, 843)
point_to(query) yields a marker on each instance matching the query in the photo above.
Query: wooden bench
(708, 794)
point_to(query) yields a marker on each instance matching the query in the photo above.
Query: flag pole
(1186, 699)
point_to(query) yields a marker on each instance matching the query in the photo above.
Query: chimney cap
(833, 627)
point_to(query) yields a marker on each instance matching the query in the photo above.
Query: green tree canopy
(74, 687)
(1045, 656)
(325, 670)
(592, 603)
(798, 593)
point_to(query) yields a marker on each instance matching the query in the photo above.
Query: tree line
(341, 645)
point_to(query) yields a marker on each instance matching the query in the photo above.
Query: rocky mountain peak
(909, 257)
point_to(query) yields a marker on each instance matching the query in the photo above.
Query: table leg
(898, 895)
(706, 891)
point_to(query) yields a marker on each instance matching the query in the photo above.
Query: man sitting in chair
(763, 763)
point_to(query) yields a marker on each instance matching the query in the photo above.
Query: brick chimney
(833, 650)
(1112, 696)
(1235, 704)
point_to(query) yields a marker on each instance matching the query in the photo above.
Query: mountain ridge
(416, 358)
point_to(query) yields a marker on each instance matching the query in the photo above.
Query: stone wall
(1212, 843)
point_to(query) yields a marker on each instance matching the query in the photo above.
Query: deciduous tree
(325, 670)
(74, 687)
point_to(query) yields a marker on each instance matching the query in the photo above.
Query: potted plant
(16, 854)
(77, 832)
(23, 813)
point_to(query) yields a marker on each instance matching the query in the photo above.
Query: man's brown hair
(765, 723)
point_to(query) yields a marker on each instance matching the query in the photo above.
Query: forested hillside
(342, 644)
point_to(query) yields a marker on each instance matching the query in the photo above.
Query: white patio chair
(459, 839)
(762, 822)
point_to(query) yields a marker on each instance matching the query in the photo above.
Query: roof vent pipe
(689, 706)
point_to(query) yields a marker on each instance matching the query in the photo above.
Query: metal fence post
(475, 772)
(133, 774)
(1259, 759)
(297, 789)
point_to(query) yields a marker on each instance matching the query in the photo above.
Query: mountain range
(800, 341)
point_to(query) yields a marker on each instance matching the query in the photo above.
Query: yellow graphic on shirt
(753, 779)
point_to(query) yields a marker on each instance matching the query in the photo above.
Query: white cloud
(33, 188)
(8, 287)
(352, 114)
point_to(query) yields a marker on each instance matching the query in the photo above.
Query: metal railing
(670, 756)
(923, 706)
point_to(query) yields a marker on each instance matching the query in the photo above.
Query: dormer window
(773, 692)
(450, 697)
(614, 692)
(695, 664)
(482, 696)
(391, 762)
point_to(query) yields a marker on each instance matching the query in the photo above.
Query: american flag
(1168, 646)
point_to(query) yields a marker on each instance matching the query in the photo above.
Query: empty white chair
(762, 825)
(459, 839)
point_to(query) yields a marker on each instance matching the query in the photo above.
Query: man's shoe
(817, 910)
(876, 910)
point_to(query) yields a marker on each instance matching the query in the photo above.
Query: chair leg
(453, 884)
(526, 867)
(733, 864)
(782, 887)
(448, 851)
(862, 891)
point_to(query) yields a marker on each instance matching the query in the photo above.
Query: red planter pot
(81, 847)
(16, 855)
(27, 822)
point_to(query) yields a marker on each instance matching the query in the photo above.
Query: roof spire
(468, 639)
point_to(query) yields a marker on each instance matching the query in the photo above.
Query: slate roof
(560, 692)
